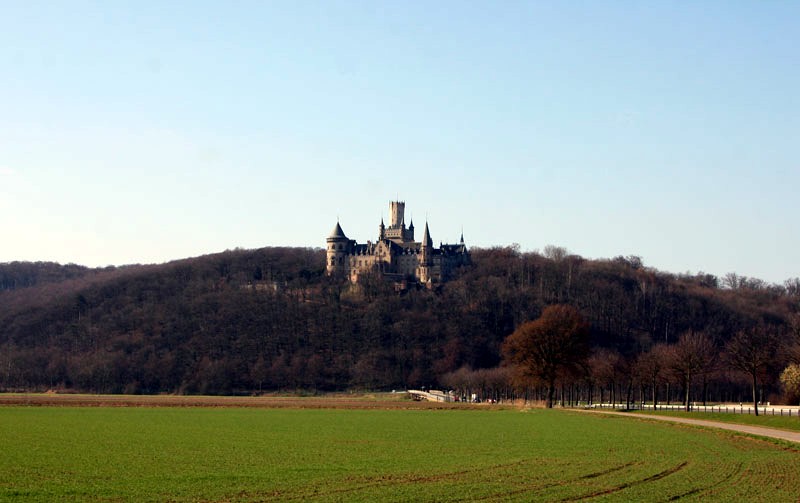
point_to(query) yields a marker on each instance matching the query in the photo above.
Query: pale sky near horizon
(137, 132)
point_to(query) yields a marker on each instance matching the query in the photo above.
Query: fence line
(725, 409)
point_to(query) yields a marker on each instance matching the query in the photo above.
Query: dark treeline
(248, 321)
(15, 275)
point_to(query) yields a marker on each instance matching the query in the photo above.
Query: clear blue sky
(136, 132)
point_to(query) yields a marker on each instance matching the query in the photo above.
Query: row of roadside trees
(551, 356)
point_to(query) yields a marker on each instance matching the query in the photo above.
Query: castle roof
(337, 232)
(453, 249)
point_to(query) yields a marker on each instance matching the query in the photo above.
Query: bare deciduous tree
(650, 368)
(605, 366)
(693, 355)
(555, 253)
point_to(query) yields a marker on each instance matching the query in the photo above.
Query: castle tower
(381, 231)
(396, 231)
(337, 249)
(396, 210)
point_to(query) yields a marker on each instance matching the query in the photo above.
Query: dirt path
(791, 436)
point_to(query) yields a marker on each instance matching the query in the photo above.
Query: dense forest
(251, 321)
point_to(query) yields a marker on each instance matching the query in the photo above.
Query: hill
(245, 321)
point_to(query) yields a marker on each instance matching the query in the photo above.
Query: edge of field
(787, 438)
(785, 423)
(760, 426)
(393, 400)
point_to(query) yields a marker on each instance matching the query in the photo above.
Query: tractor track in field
(526, 489)
(652, 478)
(708, 490)
(364, 483)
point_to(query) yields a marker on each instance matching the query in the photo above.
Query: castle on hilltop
(395, 254)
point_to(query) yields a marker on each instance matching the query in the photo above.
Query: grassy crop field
(768, 421)
(265, 454)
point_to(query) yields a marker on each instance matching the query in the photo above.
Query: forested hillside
(246, 321)
(15, 275)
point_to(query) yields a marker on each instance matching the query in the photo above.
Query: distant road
(791, 436)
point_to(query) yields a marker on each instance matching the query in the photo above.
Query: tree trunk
(688, 386)
(655, 395)
(705, 389)
(755, 396)
(551, 391)
(628, 395)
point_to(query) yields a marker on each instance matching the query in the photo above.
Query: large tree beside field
(752, 351)
(555, 343)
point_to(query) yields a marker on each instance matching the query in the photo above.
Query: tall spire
(426, 237)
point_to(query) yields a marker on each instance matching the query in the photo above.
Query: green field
(237, 454)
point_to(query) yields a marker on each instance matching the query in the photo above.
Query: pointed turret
(337, 232)
(426, 237)
(381, 231)
(408, 234)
